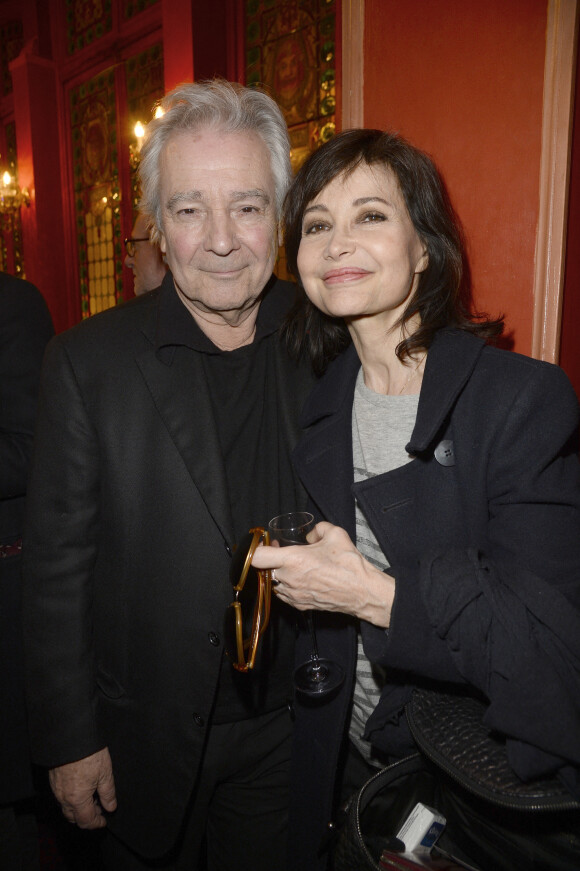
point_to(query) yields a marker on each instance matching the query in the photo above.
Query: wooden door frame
(557, 120)
(353, 25)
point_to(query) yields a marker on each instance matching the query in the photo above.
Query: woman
(450, 464)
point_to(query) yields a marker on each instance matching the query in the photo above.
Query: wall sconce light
(139, 135)
(135, 147)
(101, 198)
(11, 195)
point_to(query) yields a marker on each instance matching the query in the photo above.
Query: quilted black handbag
(494, 821)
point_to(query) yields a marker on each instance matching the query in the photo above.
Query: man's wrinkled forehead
(200, 165)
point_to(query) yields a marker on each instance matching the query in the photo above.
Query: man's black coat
(126, 560)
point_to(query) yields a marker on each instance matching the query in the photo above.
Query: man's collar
(176, 326)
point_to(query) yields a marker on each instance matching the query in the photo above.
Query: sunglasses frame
(246, 649)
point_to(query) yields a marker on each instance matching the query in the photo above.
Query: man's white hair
(221, 105)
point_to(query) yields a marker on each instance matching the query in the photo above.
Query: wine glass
(317, 676)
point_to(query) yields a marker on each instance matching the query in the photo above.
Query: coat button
(213, 639)
(444, 453)
(198, 720)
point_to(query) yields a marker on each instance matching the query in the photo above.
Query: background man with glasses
(165, 431)
(144, 257)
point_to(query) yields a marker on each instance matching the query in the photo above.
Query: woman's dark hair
(442, 294)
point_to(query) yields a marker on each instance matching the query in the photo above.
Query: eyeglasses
(130, 244)
(247, 617)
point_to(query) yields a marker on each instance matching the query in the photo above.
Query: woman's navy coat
(482, 532)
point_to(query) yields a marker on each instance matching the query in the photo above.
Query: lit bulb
(139, 133)
(6, 179)
(158, 112)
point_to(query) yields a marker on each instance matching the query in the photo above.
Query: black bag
(494, 821)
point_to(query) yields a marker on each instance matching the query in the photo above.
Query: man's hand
(83, 788)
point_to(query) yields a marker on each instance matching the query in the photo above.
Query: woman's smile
(345, 274)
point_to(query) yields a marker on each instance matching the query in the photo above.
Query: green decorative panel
(96, 193)
(291, 52)
(134, 7)
(86, 22)
(11, 43)
(144, 82)
(145, 86)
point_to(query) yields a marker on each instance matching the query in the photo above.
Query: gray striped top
(381, 427)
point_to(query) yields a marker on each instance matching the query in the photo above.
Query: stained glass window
(291, 51)
(11, 256)
(145, 86)
(87, 21)
(11, 249)
(133, 7)
(11, 43)
(97, 195)
(100, 260)
(96, 157)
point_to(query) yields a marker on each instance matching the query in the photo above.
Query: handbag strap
(351, 851)
(384, 777)
(449, 729)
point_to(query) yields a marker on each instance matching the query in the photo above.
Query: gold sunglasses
(248, 615)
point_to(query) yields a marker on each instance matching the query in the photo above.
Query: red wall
(463, 80)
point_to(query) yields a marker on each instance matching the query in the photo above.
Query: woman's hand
(329, 575)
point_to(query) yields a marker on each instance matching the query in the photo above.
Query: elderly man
(165, 431)
(144, 257)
